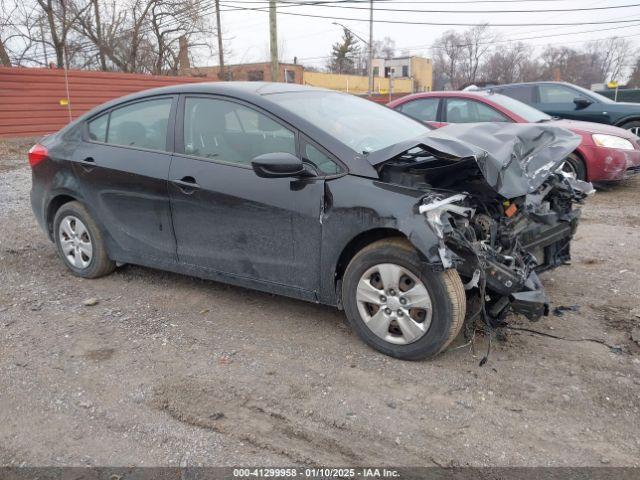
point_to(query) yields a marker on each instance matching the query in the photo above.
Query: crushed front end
(499, 217)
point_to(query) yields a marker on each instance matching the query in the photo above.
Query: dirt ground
(171, 370)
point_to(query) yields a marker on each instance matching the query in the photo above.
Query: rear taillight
(37, 154)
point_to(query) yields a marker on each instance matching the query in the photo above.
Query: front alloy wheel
(394, 303)
(400, 306)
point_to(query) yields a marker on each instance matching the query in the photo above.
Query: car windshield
(530, 114)
(361, 124)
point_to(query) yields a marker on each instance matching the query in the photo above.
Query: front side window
(230, 132)
(558, 94)
(423, 109)
(142, 124)
(460, 110)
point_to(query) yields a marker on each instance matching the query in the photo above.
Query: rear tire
(574, 164)
(398, 308)
(80, 243)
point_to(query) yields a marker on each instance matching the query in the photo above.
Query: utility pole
(370, 90)
(221, 72)
(273, 41)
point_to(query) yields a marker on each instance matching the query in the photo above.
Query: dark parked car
(317, 195)
(565, 100)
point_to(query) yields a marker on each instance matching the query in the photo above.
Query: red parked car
(606, 152)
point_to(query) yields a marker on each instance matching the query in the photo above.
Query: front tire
(397, 307)
(80, 243)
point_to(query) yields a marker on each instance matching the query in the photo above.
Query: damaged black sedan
(316, 195)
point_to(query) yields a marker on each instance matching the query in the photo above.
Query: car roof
(249, 91)
(239, 89)
(517, 84)
(443, 93)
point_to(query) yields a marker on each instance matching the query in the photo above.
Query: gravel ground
(150, 368)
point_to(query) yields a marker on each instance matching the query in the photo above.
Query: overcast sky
(246, 32)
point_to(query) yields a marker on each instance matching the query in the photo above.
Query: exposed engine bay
(499, 218)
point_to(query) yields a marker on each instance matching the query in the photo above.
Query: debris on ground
(559, 310)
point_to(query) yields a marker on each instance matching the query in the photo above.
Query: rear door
(229, 220)
(122, 166)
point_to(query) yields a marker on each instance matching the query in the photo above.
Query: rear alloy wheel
(574, 166)
(75, 242)
(398, 308)
(80, 243)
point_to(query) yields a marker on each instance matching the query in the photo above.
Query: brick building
(257, 72)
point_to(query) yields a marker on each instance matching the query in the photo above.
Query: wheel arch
(625, 120)
(54, 204)
(357, 243)
(583, 158)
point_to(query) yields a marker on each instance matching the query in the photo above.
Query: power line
(434, 2)
(341, 5)
(231, 8)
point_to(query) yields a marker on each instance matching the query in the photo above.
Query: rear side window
(98, 128)
(230, 132)
(460, 110)
(423, 109)
(524, 93)
(142, 125)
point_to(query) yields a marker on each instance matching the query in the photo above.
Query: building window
(376, 71)
(255, 75)
(405, 70)
(290, 76)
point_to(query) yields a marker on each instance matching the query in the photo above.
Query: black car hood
(515, 159)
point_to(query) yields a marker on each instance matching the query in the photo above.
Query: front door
(558, 101)
(227, 219)
(122, 166)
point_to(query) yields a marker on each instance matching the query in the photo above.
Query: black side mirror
(582, 102)
(278, 165)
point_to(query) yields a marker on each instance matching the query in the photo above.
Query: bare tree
(477, 44)
(18, 44)
(385, 48)
(5, 26)
(448, 52)
(143, 35)
(634, 80)
(608, 57)
(507, 64)
(60, 16)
